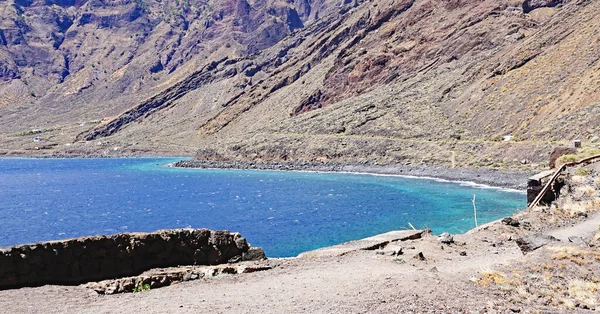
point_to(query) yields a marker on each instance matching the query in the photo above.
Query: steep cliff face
(98, 58)
(387, 81)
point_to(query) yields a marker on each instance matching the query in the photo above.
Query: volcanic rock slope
(387, 81)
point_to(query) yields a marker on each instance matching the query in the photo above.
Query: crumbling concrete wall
(536, 183)
(85, 259)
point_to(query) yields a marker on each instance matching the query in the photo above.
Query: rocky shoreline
(493, 177)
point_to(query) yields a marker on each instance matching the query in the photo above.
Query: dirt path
(584, 229)
(361, 281)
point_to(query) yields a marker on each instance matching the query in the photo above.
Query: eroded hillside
(388, 81)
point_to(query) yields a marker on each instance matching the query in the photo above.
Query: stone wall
(85, 259)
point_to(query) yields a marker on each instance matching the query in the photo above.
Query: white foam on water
(462, 183)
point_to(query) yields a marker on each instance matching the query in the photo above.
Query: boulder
(419, 256)
(509, 221)
(560, 151)
(254, 254)
(533, 242)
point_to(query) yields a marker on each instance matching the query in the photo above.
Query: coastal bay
(285, 212)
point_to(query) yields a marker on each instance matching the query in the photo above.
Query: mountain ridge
(436, 82)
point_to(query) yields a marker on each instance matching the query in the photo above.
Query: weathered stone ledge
(157, 278)
(76, 261)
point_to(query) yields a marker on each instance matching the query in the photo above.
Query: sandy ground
(361, 281)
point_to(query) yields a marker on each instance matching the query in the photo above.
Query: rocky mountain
(380, 81)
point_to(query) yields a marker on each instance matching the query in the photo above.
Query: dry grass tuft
(575, 255)
(582, 172)
(584, 291)
(577, 179)
(501, 279)
(585, 191)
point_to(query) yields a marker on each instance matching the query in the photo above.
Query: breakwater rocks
(85, 259)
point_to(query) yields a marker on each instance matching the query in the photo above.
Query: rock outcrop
(533, 242)
(81, 260)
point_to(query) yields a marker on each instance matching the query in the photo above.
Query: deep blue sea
(285, 213)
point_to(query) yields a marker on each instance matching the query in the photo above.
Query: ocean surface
(285, 213)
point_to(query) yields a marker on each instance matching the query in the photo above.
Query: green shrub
(139, 287)
(567, 158)
(581, 154)
(582, 172)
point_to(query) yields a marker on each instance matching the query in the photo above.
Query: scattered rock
(434, 270)
(253, 269)
(577, 240)
(509, 221)
(419, 256)
(463, 253)
(391, 251)
(446, 238)
(398, 259)
(533, 242)
(394, 252)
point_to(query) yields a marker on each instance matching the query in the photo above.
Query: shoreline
(506, 179)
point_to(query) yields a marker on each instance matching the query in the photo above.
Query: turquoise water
(285, 213)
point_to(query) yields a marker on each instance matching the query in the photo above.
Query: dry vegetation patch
(560, 277)
(581, 154)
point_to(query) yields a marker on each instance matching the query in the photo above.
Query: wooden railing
(556, 174)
